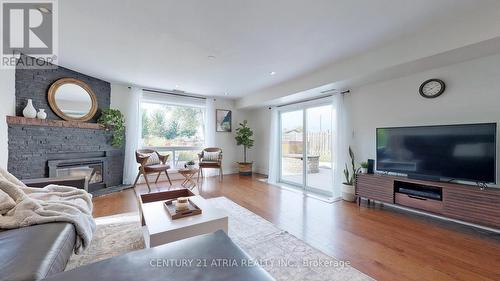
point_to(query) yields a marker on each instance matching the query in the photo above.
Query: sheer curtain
(209, 131)
(274, 157)
(339, 142)
(133, 129)
(209, 122)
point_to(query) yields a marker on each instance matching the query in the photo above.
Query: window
(165, 125)
(173, 126)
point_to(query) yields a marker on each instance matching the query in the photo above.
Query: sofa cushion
(35, 252)
(188, 259)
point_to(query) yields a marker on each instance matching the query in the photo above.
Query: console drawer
(434, 206)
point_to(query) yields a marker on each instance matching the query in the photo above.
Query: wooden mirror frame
(52, 99)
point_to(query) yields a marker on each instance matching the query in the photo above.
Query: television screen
(450, 152)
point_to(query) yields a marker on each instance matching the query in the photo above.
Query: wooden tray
(165, 195)
(174, 214)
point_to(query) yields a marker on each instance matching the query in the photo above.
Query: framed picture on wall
(223, 120)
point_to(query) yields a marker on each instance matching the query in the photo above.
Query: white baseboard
(262, 171)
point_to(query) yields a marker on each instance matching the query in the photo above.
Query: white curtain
(339, 143)
(209, 122)
(210, 131)
(274, 156)
(132, 135)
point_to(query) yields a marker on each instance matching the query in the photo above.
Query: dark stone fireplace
(57, 148)
(49, 148)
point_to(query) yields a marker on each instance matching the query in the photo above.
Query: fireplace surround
(54, 147)
(50, 148)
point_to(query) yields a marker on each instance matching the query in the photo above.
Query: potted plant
(348, 192)
(244, 137)
(364, 167)
(113, 120)
(190, 164)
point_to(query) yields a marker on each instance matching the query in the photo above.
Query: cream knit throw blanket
(24, 206)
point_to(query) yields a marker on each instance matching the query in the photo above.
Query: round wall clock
(432, 88)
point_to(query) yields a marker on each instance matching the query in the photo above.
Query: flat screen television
(450, 152)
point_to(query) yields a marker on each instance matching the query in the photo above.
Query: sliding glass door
(319, 149)
(306, 148)
(292, 147)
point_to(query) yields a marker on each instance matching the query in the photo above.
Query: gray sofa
(42, 251)
(206, 257)
(38, 251)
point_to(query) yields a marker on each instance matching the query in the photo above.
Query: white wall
(472, 95)
(7, 107)
(231, 152)
(260, 122)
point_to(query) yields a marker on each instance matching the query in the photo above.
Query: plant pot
(348, 193)
(190, 166)
(245, 168)
(364, 170)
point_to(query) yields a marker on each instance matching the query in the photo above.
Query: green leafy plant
(364, 165)
(349, 177)
(244, 137)
(190, 162)
(114, 121)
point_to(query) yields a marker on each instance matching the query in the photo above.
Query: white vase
(29, 111)
(41, 114)
(348, 193)
(364, 170)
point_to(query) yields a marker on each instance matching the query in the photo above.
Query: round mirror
(72, 99)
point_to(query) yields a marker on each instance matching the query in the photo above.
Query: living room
(214, 140)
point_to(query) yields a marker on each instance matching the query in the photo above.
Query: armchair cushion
(153, 158)
(209, 164)
(156, 168)
(211, 156)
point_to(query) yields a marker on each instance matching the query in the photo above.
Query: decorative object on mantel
(29, 111)
(348, 191)
(114, 121)
(41, 114)
(243, 137)
(72, 99)
(223, 120)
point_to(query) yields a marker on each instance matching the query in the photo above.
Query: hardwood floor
(383, 242)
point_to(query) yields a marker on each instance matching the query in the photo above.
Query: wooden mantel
(18, 120)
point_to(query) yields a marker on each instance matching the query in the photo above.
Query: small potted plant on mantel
(244, 137)
(348, 191)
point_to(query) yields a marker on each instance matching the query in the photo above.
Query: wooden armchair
(210, 162)
(151, 162)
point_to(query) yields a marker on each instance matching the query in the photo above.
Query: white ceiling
(164, 43)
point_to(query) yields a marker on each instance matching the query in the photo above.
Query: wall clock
(432, 88)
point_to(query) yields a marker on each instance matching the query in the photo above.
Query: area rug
(283, 255)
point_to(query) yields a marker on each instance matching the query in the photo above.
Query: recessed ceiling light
(44, 10)
(272, 73)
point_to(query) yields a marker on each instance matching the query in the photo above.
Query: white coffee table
(160, 229)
